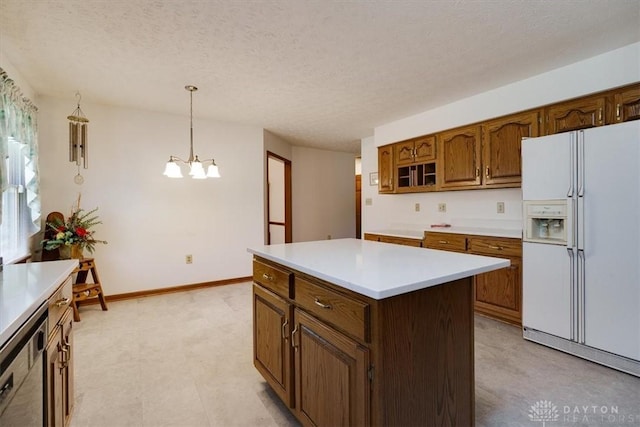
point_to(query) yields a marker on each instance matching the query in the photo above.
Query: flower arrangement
(74, 231)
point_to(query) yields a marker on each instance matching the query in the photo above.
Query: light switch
(368, 201)
(417, 207)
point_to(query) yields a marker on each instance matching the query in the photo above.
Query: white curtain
(19, 178)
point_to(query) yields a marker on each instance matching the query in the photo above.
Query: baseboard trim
(170, 290)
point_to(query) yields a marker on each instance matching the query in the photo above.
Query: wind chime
(78, 142)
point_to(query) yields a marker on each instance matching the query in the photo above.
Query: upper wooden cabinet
(627, 104)
(459, 157)
(578, 114)
(386, 168)
(501, 142)
(488, 154)
(417, 150)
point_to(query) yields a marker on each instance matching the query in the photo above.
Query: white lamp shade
(213, 172)
(197, 171)
(172, 170)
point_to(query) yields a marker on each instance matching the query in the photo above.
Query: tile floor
(185, 359)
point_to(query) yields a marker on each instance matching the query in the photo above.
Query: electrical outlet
(417, 207)
(442, 207)
(368, 201)
(500, 207)
(188, 259)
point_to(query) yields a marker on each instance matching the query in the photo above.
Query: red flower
(81, 232)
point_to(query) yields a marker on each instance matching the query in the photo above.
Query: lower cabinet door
(271, 349)
(331, 375)
(54, 382)
(498, 293)
(67, 371)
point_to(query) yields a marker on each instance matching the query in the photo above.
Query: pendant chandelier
(196, 166)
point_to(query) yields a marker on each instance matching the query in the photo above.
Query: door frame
(288, 229)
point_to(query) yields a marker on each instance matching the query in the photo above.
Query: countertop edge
(54, 281)
(400, 289)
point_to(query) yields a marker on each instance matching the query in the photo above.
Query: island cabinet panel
(460, 151)
(271, 349)
(501, 144)
(578, 114)
(358, 361)
(423, 358)
(386, 168)
(332, 385)
(627, 104)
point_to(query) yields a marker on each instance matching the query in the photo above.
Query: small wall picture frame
(373, 178)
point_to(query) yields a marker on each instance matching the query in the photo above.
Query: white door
(547, 166)
(546, 288)
(611, 238)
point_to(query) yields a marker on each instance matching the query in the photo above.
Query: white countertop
(377, 270)
(478, 231)
(24, 287)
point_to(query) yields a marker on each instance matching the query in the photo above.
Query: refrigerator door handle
(581, 296)
(572, 148)
(572, 296)
(580, 163)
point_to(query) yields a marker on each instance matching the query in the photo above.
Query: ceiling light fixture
(196, 166)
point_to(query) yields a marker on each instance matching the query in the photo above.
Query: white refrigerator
(581, 243)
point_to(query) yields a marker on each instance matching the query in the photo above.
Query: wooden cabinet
(459, 157)
(501, 142)
(577, 114)
(386, 168)
(407, 241)
(271, 349)
(59, 370)
(331, 370)
(416, 150)
(498, 293)
(415, 167)
(627, 104)
(359, 361)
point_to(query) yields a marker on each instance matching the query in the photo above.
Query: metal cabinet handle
(618, 112)
(293, 340)
(318, 302)
(477, 172)
(499, 248)
(487, 172)
(62, 301)
(284, 327)
(444, 242)
(267, 276)
(600, 115)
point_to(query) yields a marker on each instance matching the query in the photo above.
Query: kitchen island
(352, 332)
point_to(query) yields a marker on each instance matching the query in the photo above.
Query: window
(20, 200)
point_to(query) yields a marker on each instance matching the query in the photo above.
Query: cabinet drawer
(495, 246)
(445, 241)
(341, 311)
(59, 302)
(272, 278)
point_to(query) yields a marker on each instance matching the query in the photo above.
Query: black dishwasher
(22, 397)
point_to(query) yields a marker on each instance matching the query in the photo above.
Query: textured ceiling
(317, 73)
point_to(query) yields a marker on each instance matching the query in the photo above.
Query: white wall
(15, 75)
(478, 207)
(323, 190)
(150, 221)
